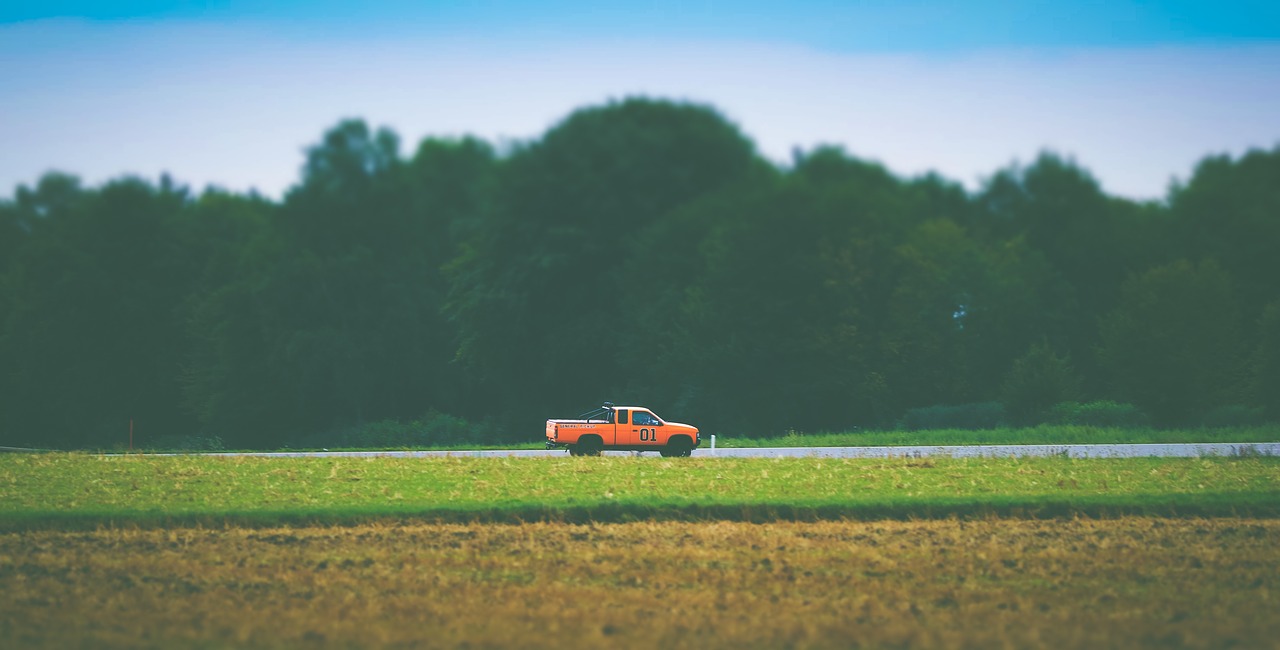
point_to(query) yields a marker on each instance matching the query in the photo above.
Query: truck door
(645, 428)
(623, 427)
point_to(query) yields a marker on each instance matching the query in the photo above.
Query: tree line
(640, 251)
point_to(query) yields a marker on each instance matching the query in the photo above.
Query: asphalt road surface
(959, 451)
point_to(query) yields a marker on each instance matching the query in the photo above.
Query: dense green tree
(786, 316)
(93, 333)
(229, 229)
(1266, 363)
(959, 313)
(638, 251)
(537, 294)
(1037, 381)
(661, 355)
(334, 316)
(14, 231)
(1230, 211)
(1090, 240)
(27, 218)
(1173, 345)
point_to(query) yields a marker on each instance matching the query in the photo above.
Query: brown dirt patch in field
(991, 583)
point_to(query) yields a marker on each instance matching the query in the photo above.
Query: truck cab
(622, 428)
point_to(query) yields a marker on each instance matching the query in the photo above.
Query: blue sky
(229, 93)
(882, 25)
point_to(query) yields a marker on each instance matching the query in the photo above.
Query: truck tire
(589, 446)
(678, 447)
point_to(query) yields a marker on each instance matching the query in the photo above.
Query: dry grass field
(983, 583)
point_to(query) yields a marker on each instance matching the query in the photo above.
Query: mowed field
(988, 583)
(638, 552)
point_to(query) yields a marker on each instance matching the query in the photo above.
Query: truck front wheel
(678, 447)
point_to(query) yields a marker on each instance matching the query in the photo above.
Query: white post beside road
(713, 443)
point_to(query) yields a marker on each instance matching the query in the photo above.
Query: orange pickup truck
(624, 428)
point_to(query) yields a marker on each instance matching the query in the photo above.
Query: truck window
(622, 416)
(646, 418)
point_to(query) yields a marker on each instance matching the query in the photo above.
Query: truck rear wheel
(589, 446)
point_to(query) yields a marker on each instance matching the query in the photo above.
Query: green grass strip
(83, 491)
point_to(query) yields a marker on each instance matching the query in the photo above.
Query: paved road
(966, 451)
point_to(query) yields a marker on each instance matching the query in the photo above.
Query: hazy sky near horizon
(231, 93)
